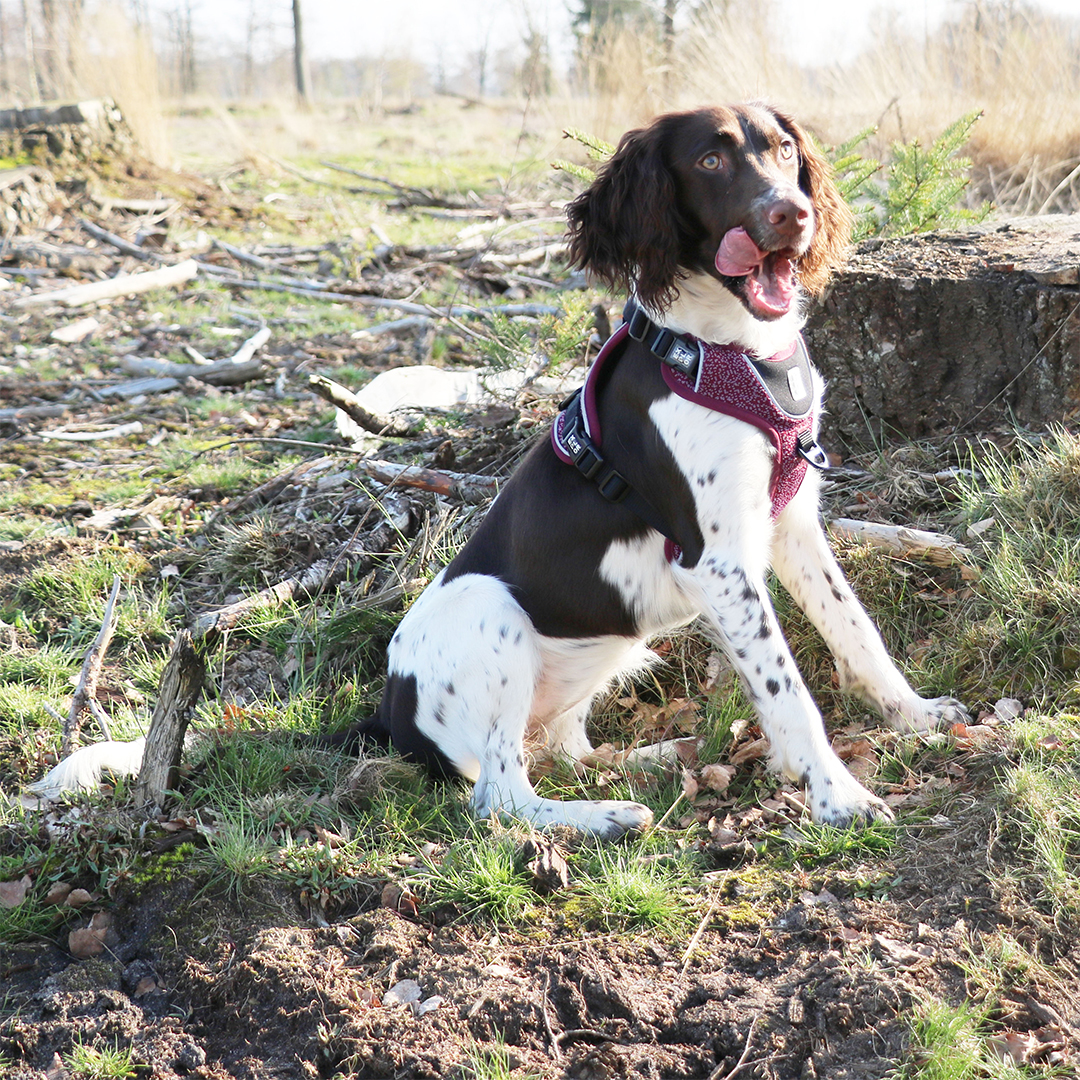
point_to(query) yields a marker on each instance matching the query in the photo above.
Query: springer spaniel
(657, 500)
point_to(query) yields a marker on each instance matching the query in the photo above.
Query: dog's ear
(624, 228)
(833, 219)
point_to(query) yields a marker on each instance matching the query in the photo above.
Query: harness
(775, 395)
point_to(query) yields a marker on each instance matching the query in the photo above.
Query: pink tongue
(738, 255)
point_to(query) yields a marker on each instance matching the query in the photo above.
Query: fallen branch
(314, 579)
(86, 689)
(464, 487)
(118, 242)
(344, 399)
(937, 548)
(179, 689)
(117, 432)
(31, 412)
(121, 285)
(220, 373)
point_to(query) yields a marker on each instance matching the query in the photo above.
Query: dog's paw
(928, 714)
(841, 801)
(610, 820)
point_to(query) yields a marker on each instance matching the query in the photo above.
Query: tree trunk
(945, 334)
(300, 60)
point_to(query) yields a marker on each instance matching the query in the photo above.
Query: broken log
(179, 689)
(937, 548)
(949, 333)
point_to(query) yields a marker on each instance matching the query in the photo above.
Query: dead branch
(463, 487)
(31, 412)
(219, 373)
(118, 242)
(344, 399)
(179, 689)
(121, 285)
(314, 579)
(117, 432)
(86, 689)
(408, 196)
(937, 548)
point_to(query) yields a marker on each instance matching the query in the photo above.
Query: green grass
(101, 1062)
(625, 891)
(483, 877)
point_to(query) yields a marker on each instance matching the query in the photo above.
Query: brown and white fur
(706, 217)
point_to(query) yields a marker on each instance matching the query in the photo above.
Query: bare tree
(32, 84)
(300, 58)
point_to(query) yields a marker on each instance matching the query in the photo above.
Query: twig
(583, 1033)
(225, 372)
(91, 671)
(101, 716)
(715, 1074)
(344, 399)
(465, 487)
(314, 579)
(556, 1050)
(688, 955)
(117, 432)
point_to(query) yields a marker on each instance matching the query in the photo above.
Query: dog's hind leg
(807, 568)
(465, 665)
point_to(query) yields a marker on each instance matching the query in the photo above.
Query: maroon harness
(775, 395)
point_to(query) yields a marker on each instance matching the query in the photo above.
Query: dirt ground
(206, 984)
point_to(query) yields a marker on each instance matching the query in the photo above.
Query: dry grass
(112, 59)
(1016, 64)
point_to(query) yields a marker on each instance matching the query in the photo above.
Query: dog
(652, 504)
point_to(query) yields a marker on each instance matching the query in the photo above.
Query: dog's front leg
(807, 568)
(736, 603)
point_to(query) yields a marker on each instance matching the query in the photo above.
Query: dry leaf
(13, 893)
(717, 777)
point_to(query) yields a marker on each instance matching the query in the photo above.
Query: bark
(178, 692)
(952, 333)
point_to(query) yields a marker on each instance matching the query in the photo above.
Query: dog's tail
(369, 733)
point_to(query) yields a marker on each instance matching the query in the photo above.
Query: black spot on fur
(773, 687)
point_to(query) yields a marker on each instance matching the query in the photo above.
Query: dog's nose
(788, 217)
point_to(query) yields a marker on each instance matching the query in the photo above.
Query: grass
(101, 1062)
(625, 892)
(482, 877)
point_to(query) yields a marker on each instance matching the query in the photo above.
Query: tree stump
(181, 684)
(952, 333)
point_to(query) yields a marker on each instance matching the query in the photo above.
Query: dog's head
(738, 193)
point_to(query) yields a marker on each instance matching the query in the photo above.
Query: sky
(832, 30)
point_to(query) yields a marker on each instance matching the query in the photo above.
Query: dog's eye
(712, 162)
(787, 150)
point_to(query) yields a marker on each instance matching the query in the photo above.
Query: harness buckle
(810, 450)
(637, 322)
(613, 486)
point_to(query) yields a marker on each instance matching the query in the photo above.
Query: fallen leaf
(717, 777)
(400, 900)
(689, 786)
(13, 893)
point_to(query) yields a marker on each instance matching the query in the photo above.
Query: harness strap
(587, 459)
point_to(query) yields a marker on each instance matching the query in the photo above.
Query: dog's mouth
(767, 277)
